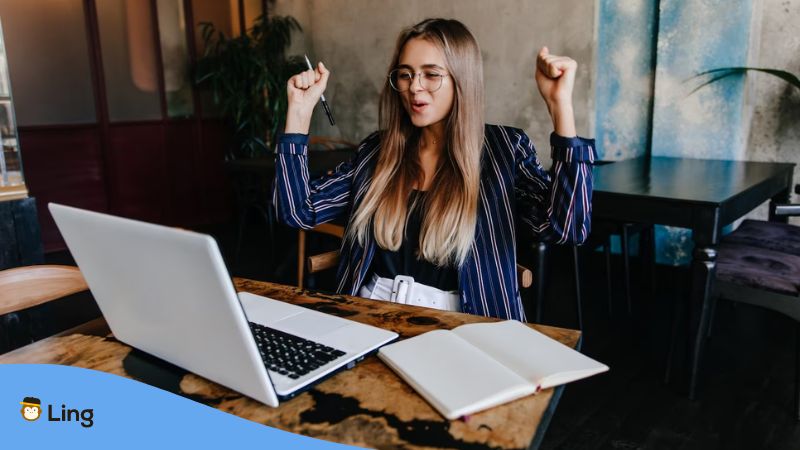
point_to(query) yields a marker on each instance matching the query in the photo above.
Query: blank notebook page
(531, 354)
(454, 376)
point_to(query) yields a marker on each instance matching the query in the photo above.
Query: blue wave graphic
(124, 414)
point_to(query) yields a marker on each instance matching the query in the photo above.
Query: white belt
(403, 289)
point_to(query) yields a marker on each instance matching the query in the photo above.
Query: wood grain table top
(367, 406)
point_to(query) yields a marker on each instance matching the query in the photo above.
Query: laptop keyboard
(290, 355)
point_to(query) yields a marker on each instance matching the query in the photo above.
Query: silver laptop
(167, 292)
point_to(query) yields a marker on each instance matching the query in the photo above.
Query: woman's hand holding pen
(304, 91)
(555, 77)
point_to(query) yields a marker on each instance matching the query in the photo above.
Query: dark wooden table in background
(319, 162)
(701, 195)
(366, 406)
(252, 179)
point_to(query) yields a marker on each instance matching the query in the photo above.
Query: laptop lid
(167, 292)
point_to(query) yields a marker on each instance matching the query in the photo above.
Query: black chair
(602, 231)
(252, 186)
(626, 231)
(758, 264)
(599, 238)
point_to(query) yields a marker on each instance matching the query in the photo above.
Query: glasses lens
(431, 81)
(401, 79)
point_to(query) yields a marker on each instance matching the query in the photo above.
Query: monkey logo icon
(31, 408)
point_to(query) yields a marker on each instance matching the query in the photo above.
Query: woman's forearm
(563, 120)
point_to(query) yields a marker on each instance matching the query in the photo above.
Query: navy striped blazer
(514, 190)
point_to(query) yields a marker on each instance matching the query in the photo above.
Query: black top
(404, 261)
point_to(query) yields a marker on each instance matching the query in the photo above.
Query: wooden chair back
(25, 287)
(325, 228)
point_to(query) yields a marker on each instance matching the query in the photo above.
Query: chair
(646, 252)
(328, 260)
(26, 287)
(600, 238)
(321, 262)
(252, 185)
(758, 264)
(646, 247)
(252, 189)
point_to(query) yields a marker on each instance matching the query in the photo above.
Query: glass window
(252, 10)
(220, 14)
(129, 59)
(224, 15)
(48, 61)
(175, 57)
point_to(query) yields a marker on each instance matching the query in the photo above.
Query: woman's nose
(416, 83)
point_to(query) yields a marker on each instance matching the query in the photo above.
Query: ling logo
(31, 408)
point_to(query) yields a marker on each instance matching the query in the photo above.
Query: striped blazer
(515, 191)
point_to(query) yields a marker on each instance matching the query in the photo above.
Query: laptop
(167, 292)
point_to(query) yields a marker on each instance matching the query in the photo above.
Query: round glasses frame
(423, 82)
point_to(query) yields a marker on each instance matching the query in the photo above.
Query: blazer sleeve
(303, 203)
(556, 205)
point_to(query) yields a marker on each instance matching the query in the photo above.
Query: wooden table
(367, 406)
(701, 195)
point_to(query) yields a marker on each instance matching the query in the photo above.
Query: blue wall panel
(625, 74)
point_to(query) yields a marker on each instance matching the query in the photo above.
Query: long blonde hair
(451, 205)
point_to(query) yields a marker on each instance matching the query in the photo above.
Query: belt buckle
(398, 280)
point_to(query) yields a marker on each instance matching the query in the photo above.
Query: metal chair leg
(797, 371)
(650, 233)
(577, 264)
(301, 256)
(540, 249)
(712, 314)
(675, 321)
(609, 287)
(627, 267)
(266, 214)
(699, 344)
(240, 235)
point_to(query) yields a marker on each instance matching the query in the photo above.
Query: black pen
(322, 98)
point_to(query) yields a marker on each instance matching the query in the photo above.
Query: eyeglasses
(402, 79)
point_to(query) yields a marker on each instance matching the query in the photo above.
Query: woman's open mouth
(418, 106)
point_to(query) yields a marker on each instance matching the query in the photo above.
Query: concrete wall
(775, 125)
(621, 45)
(355, 39)
(743, 118)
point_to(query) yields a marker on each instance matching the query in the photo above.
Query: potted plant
(724, 72)
(247, 75)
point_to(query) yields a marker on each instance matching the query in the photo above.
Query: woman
(435, 194)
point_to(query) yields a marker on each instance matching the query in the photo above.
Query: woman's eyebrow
(424, 66)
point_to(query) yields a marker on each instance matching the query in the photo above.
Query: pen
(322, 98)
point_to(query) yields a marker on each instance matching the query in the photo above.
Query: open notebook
(477, 366)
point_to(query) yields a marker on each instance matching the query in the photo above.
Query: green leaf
(724, 72)
(247, 75)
